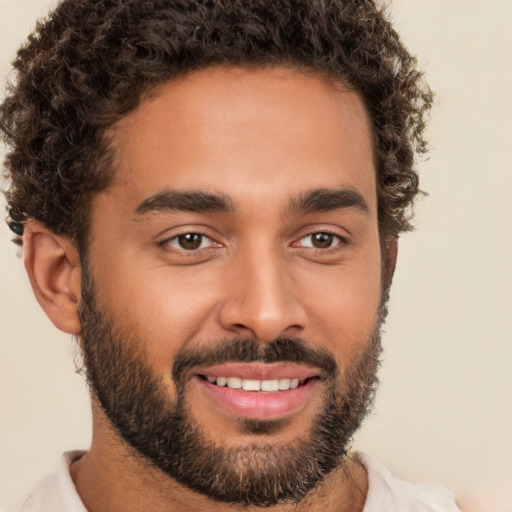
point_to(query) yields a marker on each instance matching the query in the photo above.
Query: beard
(163, 432)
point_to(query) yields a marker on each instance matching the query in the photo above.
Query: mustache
(291, 350)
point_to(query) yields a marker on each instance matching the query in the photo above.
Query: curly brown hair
(90, 63)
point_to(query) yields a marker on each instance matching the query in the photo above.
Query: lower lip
(258, 404)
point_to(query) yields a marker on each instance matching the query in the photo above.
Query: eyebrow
(191, 201)
(324, 200)
(319, 200)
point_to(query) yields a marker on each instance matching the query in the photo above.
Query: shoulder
(56, 492)
(388, 493)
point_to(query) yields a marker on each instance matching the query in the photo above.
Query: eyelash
(341, 241)
(167, 243)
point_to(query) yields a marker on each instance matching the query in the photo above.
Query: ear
(53, 267)
(390, 258)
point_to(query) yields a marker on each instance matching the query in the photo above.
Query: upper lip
(259, 371)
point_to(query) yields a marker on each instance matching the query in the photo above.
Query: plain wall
(444, 409)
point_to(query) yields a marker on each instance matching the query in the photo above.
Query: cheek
(344, 305)
(177, 315)
(168, 310)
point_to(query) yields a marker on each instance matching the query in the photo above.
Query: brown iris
(190, 241)
(322, 240)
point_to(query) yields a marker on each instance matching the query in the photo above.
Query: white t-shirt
(386, 493)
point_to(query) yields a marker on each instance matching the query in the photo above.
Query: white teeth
(254, 385)
(234, 382)
(270, 385)
(284, 384)
(251, 385)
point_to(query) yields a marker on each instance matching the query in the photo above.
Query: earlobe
(53, 267)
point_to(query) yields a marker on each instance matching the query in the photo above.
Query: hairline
(108, 136)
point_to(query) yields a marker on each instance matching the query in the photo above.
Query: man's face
(233, 283)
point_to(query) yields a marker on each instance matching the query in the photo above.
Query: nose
(262, 298)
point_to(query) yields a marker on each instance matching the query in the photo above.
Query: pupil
(190, 241)
(322, 240)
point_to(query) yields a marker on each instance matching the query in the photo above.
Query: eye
(190, 242)
(321, 240)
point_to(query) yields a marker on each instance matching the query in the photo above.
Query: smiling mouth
(258, 390)
(269, 386)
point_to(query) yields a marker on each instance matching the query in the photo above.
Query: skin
(262, 139)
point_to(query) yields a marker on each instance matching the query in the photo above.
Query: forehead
(245, 132)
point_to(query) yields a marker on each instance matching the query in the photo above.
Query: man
(209, 196)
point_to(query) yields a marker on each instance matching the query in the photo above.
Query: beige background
(444, 410)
